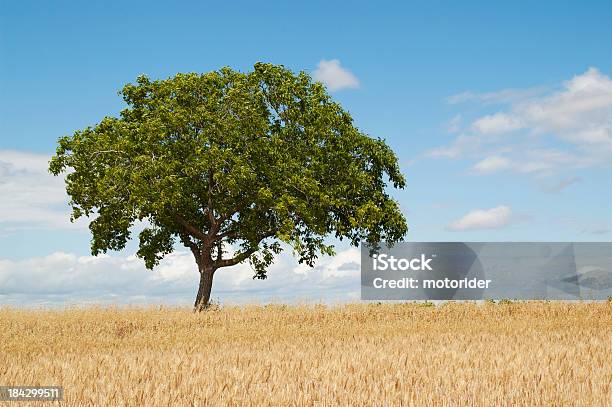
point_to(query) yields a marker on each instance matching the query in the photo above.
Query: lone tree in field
(231, 164)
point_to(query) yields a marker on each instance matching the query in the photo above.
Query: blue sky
(501, 114)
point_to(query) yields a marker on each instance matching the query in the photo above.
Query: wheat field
(533, 353)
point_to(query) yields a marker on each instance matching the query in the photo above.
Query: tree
(231, 164)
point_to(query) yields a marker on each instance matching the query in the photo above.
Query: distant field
(506, 354)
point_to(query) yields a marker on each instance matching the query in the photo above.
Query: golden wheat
(456, 354)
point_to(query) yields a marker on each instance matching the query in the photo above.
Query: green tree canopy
(230, 164)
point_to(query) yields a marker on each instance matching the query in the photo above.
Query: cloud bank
(539, 132)
(31, 197)
(65, 278)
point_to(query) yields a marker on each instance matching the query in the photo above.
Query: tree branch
(190, 229)
(189, 244)
(211, 215)
(232, 211)
(96, 153)
(242, 256)
(219, 251)
(229, 234)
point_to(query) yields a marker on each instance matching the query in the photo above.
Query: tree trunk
(203, 297)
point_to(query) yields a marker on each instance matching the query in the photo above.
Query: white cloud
(31, 197)
(494, 218)
(334, 76)
(580, 113)
(497, 123)
(492, 164)
(541, 132)
(64, 278)
(540, 162)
